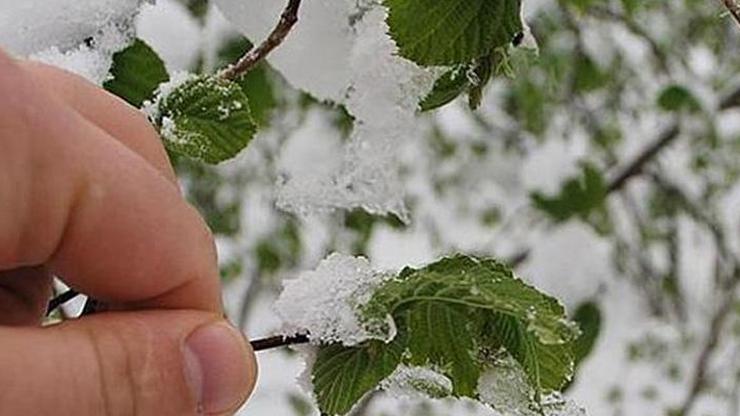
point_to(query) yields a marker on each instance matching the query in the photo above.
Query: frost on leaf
(202, 117)
(80, 36)
(412, 382)
(340, 51)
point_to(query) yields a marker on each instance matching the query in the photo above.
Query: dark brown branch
(288, 19)
(734, 8)
(668, 136)
(278, 341)
(635, 167)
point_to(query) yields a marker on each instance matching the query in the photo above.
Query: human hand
(87, 194)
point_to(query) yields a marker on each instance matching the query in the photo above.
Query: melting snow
(340, 51)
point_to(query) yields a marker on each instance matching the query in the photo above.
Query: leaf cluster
(454, 316)
(470, 37)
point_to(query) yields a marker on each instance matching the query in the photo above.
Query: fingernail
(217, 368)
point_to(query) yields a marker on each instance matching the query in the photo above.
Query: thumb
(128, 363)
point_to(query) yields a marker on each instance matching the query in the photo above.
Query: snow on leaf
(324, 302)
(451, 318)
(505, 388)
(464, 291)
(411, 382)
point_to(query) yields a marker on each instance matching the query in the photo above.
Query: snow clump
(325, 302)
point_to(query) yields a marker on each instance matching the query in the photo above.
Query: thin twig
(278, 341)
(288, 19)
(734, 8)
(60, 300)
(699, 380)
(669, 135)
(635, 167)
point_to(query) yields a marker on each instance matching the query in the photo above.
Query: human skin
(87, 194)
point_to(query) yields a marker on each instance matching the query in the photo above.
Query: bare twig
(60, 300)
(278, 341)
(635, 167)
(734, 8)
(288, 19)
(669, 135)
(699, 380)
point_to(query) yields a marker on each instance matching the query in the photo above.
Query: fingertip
(220, 367)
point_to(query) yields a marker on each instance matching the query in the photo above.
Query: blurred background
(606, 170)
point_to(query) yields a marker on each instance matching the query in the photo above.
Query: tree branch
(60, 300)
(701, 367)
(668, 136)
(734, 8)
(635, 167)
(278, 341)
(288, 19)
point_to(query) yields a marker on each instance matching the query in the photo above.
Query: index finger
(98, 214)
(123, 122)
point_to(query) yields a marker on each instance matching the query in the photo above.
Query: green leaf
(449, 32)
(587, 75)
(471, 78)
(484, 70)
(343, 375)
(136, 73)
(548, 366)
(678, 98)
(207, 119)
(580, 196)
(442, 302)
(448, 87)
(439, 335)
(588, 317)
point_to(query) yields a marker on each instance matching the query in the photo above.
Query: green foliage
(136, 73)
(450, 32)
(440, 336)
(587, 74)
(343, 375)
(257, 84)
(588, 317)
(280, 249)
(452, 316)
(207, 119)
(471, 36)
(447, 87)
(471, 79)
(678, 98)
(580, 197)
